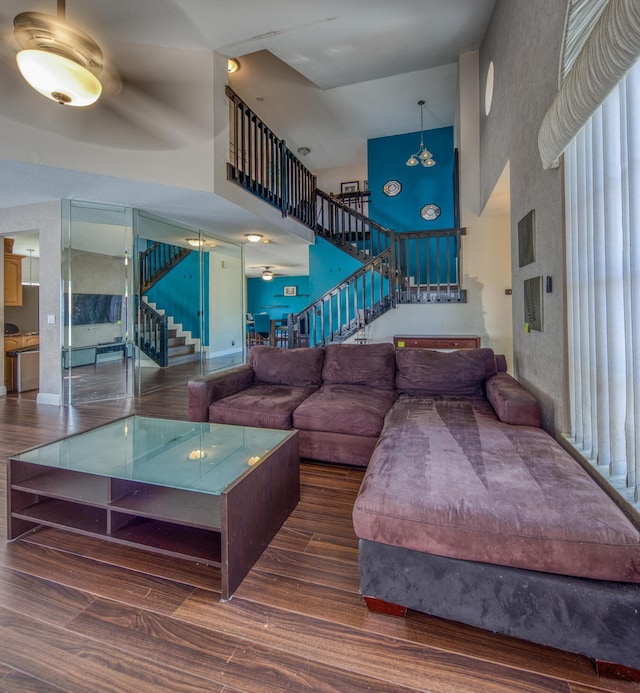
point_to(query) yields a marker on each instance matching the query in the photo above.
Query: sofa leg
(617, 671)
(379, 606)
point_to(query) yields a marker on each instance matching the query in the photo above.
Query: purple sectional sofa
(468, 510)
(336, 396)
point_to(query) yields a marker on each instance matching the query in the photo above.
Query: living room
(523, 41)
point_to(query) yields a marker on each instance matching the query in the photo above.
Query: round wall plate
(392, 188)
(430, 212)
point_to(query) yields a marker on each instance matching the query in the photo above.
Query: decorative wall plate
(392, 188)
(430, 212)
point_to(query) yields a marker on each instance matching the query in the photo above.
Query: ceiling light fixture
(253, 237)
(195, 242)
(59, 60)
(232, 65)
(423, 155)
(303, 151)
(267, 274)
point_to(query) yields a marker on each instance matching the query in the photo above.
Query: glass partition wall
(147, 302)
(189, 301)
(96, 288)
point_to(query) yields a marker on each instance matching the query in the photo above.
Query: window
(602, 180)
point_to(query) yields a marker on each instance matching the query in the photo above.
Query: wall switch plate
(51, 319)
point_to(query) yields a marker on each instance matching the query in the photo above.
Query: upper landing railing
(261, 163)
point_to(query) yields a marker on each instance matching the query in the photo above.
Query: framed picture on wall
(533, 304)
(350, 186)
(527, 239)
(290, 290)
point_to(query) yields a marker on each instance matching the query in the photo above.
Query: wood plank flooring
(78, 614)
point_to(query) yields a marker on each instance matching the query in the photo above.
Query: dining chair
(262, 326)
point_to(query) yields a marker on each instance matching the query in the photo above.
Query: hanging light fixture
(423, 155)
(267, 274)
(59, 60)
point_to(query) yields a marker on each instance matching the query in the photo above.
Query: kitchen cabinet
(12, 279)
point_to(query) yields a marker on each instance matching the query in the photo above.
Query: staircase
(157, 335)
(408, 267)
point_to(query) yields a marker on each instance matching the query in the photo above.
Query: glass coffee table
(210, 493)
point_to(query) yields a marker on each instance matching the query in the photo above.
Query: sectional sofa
(468, 510)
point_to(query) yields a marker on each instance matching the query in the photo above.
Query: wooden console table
(438, 341)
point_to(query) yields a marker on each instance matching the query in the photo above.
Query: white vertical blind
(602, 186)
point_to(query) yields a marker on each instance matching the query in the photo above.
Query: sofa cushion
(448, 478)
(296, 367)
(354, 409)
(360, 364)
(443, 372)
(261, 405)
(511, 402)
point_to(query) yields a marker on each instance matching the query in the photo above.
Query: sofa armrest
(511, 402)
(208, 388)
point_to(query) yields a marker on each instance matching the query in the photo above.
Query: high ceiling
(361, 66)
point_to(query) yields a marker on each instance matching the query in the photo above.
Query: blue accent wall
(178, 293)
(328, 266)
(268, 297)
(387, 158)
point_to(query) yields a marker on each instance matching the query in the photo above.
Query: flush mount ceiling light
(232, 65)
(253, 237)
(195, 242)
(267, 274)
(59, 60)
(303, 151)
(423, 155)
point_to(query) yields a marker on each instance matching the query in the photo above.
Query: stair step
(176, 341)
(181, 349)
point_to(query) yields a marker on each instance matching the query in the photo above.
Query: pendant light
(423, 155)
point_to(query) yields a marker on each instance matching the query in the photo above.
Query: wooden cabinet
(12, 279)
(11, 342)
(438, 341)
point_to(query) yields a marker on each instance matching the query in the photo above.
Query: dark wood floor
(78, 614)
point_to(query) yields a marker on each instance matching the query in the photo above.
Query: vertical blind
(602, 188)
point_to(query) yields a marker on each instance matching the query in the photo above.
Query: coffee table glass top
(194, 456)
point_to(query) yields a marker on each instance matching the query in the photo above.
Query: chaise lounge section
(471, 512)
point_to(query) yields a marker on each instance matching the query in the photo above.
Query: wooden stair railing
(158, 260)
(414, 266)
(151, 333)
(260, 162)
(355, 302)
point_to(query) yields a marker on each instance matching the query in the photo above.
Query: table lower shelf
(159, 536)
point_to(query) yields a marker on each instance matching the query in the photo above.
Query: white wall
(524, 42)
(226, 313)
(486, 249)
(46, 219)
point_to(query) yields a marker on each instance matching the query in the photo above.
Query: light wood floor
(78, 614)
